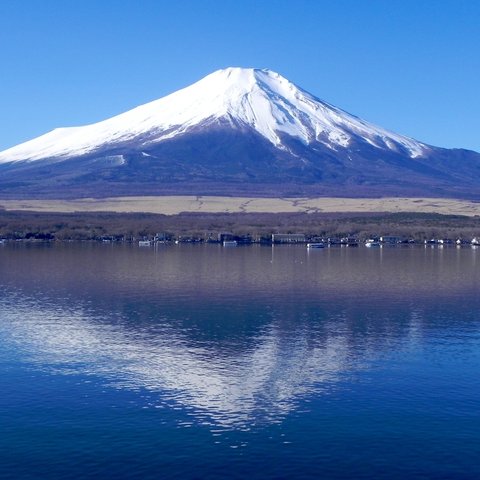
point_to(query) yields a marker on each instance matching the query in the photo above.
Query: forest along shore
(191, 226)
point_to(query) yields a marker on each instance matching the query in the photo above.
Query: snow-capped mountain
(235, 130)
(261, 99)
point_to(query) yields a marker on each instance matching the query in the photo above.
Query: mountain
(235, 132)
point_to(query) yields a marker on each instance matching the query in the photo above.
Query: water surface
(261, 362)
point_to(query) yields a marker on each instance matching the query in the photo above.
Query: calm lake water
(252, 362)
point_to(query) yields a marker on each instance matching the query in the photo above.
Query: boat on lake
(316, 245)
(230, 243)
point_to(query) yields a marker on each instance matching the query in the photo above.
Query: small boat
(230, 243)
(316, 245)
(144, 243)
(476, 242)
(372, 243)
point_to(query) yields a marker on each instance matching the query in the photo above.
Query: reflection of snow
(259, 383)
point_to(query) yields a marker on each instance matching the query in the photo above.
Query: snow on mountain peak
(260, 99)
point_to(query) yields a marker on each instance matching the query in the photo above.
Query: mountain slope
(235, 131)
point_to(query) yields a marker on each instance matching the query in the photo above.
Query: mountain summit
(261, 99)
(238, 130)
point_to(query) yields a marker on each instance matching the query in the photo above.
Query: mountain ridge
(239, 131)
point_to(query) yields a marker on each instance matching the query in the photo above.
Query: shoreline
(242, 227)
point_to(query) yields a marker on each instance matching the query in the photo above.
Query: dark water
(258, 362)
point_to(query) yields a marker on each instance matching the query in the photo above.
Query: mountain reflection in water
(237, 337)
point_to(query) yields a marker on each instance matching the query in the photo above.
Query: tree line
(201, 226)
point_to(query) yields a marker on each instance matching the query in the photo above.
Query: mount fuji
(235, 132)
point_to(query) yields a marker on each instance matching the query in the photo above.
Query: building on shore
(225, 237)
(288, 238)
(390, 239)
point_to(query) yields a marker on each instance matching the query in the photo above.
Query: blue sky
(409, 66)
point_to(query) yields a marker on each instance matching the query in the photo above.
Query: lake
(198, 361)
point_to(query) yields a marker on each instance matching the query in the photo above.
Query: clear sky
(412, 66)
